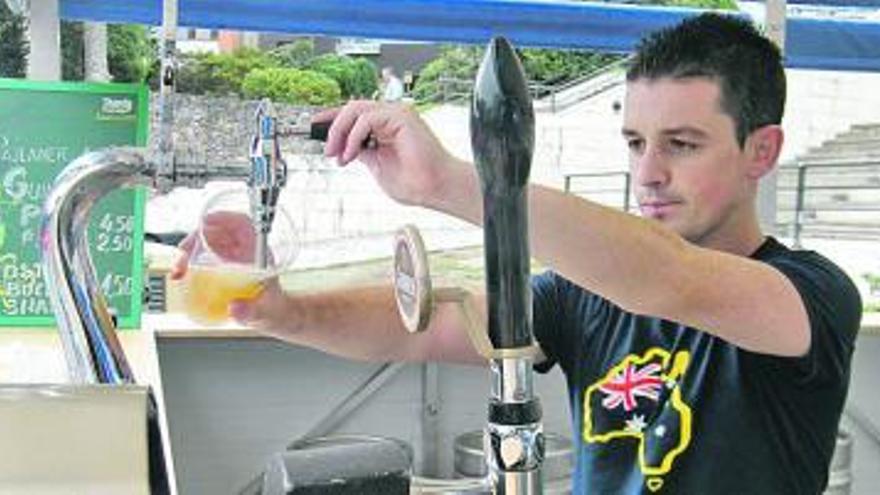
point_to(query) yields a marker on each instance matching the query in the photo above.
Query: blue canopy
(810, 43)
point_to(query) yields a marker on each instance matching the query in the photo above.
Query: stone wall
(218, 129)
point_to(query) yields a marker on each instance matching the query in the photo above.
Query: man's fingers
(178, 269)
(342, 124)
(359, 134)
(326, 115)
(188, 242)
(262, 312)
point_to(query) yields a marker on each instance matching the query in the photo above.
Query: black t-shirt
(659, 407)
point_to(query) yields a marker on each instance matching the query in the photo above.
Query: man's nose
(650, 169)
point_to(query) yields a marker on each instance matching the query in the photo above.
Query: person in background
(392, 86)
(701, 354)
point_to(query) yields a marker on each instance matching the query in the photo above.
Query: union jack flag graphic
(632, 382)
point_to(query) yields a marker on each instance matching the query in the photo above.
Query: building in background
(407, 57)
(192, 40)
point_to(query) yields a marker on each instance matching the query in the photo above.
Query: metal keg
(840, 473)
(558, 461)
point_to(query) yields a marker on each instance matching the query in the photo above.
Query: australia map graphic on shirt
(640, 399)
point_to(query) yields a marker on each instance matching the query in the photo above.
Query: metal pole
(774, 24)
(44, 33)
(167, 81)
(799, 203)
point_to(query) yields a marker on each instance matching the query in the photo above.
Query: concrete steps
(841, 187)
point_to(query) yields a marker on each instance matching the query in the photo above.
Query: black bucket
(341, 465)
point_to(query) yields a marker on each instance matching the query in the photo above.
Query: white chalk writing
(12, 153)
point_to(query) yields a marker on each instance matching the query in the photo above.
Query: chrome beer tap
(268, 174)
(92, 351)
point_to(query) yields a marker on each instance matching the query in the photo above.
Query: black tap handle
(317, 131)
(502, 137)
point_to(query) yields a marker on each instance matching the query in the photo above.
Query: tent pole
(774, 22)
(44, 36)
(774, 25)
(167, 82)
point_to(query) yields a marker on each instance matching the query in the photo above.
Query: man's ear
(763, 147)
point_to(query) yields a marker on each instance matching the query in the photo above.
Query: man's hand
(409, 163)
(231, 237)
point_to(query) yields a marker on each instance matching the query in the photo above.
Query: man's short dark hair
(728, 49)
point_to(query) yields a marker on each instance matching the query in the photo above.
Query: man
(392, 86)
(701, 355)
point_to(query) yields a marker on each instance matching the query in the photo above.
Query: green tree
(131, 53)
(13, 43)
(294, 55)
(72, 51)
(547, 67)
(543, 66)
(355, 78)
(220, 73)
(455, 63)
(294, 86)
(366, 78)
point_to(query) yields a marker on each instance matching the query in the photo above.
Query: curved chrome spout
(88, 334)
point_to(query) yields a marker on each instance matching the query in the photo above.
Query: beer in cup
(223, 263)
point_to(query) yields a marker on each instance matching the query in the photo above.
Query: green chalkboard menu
(43, 127)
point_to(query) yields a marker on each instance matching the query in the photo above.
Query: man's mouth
(657, 208)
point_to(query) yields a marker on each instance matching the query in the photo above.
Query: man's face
(687, 167)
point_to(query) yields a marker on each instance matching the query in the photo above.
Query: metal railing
(827, 199)
(601, 185)
(839, 188)
(452, 89)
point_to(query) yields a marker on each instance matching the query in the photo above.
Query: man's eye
(635, 145)
(681, 146)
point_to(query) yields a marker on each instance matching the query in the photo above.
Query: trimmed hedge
(298, 87)
(357, 78)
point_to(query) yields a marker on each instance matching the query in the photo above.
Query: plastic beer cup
(222, 266)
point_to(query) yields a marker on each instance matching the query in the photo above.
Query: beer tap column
(502, 138)
(268, 174)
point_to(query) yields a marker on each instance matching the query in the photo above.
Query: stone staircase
(840, 183)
